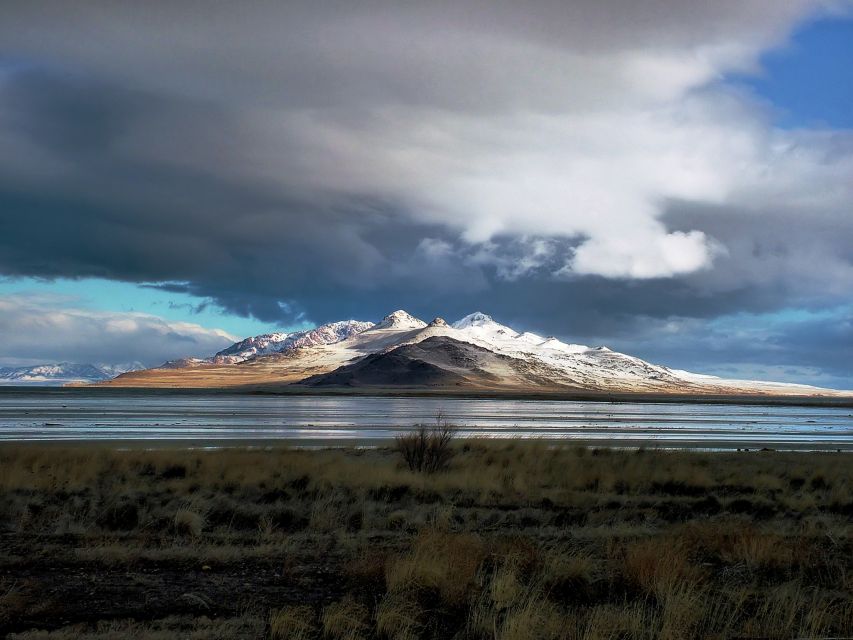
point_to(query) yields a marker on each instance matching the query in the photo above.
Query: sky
(671, 179)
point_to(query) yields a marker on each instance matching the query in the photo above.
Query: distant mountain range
(63, 373)
(476, 354)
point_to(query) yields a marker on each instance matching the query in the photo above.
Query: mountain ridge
(523, 361)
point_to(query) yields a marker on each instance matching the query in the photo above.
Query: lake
(216, 420)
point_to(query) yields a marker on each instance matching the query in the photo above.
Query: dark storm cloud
(67, 115)
(553, 165)
(248, 247)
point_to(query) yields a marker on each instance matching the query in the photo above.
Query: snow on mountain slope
(327, 334)
(279, 342)
(482, 327)
(394, 329)
(253, 346)
(63, 373)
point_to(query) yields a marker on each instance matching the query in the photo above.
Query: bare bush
(428, 448)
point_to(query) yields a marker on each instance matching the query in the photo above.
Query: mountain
(474, 353)
(63, 373)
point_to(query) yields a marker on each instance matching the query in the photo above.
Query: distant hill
(62, 373)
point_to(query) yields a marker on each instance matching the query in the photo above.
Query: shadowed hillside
(434, 362)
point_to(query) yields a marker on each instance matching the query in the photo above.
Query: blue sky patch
(809, 79)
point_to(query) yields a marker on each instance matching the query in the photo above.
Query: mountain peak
(476, 319)
(438, 322)
(400, 320)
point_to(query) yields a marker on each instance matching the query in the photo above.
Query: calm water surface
(211, 420)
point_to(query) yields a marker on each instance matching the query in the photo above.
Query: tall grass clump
(427, 449)
(347, 619)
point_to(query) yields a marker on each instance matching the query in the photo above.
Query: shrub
(427, 449)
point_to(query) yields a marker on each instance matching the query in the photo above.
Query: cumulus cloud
(36, 329)
(657, 256)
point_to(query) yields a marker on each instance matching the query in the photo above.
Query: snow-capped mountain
(63, 373)
(475, 352)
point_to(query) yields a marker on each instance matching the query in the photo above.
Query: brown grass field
(515, 540)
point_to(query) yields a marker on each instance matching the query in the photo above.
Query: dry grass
(293, 623)
(513, 540)
(661, 568)
(245, 627)
(439, 562)
(346, 620)
(399, 617)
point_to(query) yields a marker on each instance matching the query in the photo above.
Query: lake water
(215, 420)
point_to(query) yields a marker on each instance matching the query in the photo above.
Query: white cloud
(38, 328)
(660, 255)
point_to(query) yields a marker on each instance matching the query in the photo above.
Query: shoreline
(579, 396)
(711, 447)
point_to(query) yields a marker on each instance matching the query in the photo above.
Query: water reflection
(207, 419)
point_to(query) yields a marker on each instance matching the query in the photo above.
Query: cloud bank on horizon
(585, 169)
(44, 326)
